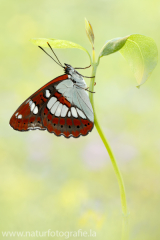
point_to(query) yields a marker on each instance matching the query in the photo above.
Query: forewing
(28, 115)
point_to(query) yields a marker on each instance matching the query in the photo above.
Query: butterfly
(61, 106)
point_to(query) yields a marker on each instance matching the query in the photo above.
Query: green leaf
(142, 55)
(112, 46)
(55, 43)
(89, 32)
(140, 52)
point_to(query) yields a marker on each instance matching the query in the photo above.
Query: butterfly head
(74, 75)
(69, 69)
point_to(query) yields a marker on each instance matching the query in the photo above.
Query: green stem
(105, 141)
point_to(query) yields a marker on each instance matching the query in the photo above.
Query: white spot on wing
(20, 116)
(47, 94)
(34, 128)
(58, 111)
(54, 108)
(69, 114)
(16, 114)
(74, 112)
(35, 111)
(30, 103)
(51, 102)
(64, 111)
(32, 106)
(81, 114)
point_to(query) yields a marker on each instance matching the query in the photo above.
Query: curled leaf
(89, 32)
(112, 46)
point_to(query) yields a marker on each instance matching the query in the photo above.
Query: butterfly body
(62, 107)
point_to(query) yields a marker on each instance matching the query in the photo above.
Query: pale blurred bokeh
(49, 182)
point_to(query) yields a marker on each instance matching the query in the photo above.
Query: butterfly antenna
(54, 53)
(50, 56)
(83, 68)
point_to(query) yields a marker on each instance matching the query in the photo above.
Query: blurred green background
(49, 182)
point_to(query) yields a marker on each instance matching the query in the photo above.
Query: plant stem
(105, 141)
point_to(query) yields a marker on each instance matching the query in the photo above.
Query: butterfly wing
(59, 106)
(68, 112)
(28, 115)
